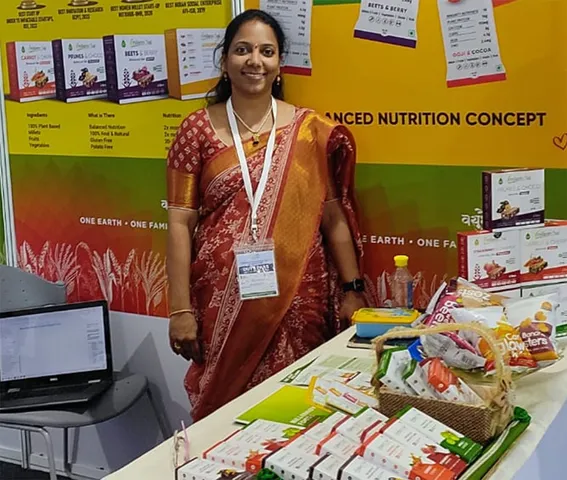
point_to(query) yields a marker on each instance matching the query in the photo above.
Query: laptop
(55, 356)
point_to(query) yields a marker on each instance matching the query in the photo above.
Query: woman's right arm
(183, 329)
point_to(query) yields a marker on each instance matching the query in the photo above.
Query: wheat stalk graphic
(102, 267)
(27, 261)
(62, 260)
(153, 279)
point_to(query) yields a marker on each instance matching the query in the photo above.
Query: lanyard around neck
(253, 198)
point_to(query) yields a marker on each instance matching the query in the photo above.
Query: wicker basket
(480, 423)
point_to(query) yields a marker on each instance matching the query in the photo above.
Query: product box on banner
(79, 69)
(513, 198)
(544, 254)
(31, 71)
(136, 67)
(490, 259)
(192, 71)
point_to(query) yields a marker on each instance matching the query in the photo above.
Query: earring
(225, 76)
(278, 80)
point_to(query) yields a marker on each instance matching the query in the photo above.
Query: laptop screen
(53, 343)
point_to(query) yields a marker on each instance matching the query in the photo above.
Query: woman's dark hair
(223, 89)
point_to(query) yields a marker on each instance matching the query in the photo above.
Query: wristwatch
(357, 285)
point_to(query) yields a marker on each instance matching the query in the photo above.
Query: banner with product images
(428, 119)
(94, 96)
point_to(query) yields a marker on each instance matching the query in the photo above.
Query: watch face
(358, 285)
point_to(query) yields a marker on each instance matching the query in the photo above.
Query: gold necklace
(255, 133)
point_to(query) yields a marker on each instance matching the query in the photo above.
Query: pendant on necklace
(255, 140)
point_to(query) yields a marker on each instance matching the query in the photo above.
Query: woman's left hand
(351, 303)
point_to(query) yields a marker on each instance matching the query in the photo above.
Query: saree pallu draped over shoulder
(246, 342)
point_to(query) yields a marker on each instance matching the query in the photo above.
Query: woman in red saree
(306, 210)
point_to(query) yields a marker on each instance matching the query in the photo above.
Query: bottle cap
(401, 261)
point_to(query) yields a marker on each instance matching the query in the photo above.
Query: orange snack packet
(536, 320)
(515, 351)
(447, 384)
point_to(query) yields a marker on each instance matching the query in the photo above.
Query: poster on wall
(94, 96)
(422, 143)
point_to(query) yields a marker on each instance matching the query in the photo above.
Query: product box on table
(238, 455)
(357, 428)
(291, 464)
(246, 449)
(490, 259)
(407, 461)
(513, 198)
(338, 446)
(305, 444)
(136, 68)
(202, 469)
(320, 431)
(348, 399)
(408, 436)
(326, 468)
(441, 434)
(544, 254)
(356, 468)
(31, 71)
(80, 72)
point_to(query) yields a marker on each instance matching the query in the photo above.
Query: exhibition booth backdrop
(88, 178)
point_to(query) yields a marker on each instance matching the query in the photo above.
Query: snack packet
(536, 318)
(448, 385)
(472, 296)
(463, 294)
(452, 348)
(391, 369)
(516, 353)
(415, 377)
(455, 351)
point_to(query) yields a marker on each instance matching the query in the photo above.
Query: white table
(542, 394)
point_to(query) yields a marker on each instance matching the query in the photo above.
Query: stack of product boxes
(518, 253)
(121, 68)
(410, 445)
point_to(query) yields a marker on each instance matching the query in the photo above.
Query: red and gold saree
(247, 342)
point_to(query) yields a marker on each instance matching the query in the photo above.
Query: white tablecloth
(542, 394)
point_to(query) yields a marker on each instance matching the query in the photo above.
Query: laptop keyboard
(46, 392)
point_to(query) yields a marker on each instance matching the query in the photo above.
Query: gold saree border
(182, 189)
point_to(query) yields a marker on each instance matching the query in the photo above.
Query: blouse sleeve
(184, 168)
(339, 148)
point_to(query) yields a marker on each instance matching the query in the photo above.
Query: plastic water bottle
(402, 283)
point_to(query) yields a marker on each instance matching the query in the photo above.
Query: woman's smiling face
(253, 59)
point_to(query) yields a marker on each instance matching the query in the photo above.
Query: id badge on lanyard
(255, 260)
